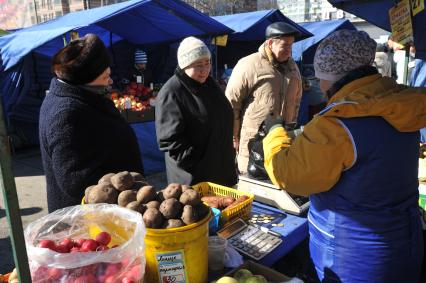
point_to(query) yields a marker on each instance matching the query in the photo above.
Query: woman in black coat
(193, 121)
(82, 134)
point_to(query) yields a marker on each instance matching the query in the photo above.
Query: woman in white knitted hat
(194, 121)
(357, 160)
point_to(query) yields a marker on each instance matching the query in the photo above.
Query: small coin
(280, 224)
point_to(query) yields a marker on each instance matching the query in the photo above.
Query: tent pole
(11, 204)
(406, 58)
(215, 58)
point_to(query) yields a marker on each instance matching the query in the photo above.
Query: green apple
(242, 275)
(256, 279)
(227, 279)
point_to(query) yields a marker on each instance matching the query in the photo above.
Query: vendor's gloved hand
(272, 122)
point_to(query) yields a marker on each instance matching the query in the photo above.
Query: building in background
(321, 10)
(312, 11)
(225, 7)
(16, 14)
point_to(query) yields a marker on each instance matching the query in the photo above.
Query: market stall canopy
(377, 13)
(140, 22)
(305, 49)
(251, 26)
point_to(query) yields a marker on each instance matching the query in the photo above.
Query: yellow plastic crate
(241, 210)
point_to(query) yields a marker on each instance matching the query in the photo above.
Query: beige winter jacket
(258, 87)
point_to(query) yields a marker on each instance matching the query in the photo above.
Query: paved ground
(30, 186)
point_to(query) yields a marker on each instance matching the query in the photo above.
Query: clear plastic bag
(124, 258)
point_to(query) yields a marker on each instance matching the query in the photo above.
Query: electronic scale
(266, 192)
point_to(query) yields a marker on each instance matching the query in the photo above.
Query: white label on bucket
(171, 267)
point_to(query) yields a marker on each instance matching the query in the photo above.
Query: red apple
(62, 249)
(89, 244)
(89, 278)
(127, 280)
(79, 242)
(112, 269)
(47, 244)
(68, 242)
(55, 273)
(136, 272)
(103, 238)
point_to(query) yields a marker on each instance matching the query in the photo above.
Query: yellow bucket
(178, 254)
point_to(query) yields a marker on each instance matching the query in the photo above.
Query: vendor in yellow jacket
(357, 160)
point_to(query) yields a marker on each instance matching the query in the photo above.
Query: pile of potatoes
(175, 206)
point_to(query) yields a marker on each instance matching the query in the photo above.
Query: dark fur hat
(82, 60)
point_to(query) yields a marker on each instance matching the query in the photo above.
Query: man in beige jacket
(264, 82)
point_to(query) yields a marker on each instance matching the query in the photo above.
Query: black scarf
(353, 75)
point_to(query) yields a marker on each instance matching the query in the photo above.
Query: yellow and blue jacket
(358, 162)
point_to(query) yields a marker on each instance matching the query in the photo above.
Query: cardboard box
(259, 269)
(139, 116)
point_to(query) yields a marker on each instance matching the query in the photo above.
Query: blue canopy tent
(150, 24)
(250, 33)
(304, 50)
(376, 12)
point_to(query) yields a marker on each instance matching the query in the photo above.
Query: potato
(86, 193)
(103, 193)
(189, 215)
(122, 181)
(125, 197)
(152, 218)
(106, 178)
(160, 196)
(137, 176)
(201, 210)
(138, 185)
(191, 197)
(154, 204)
(171, 208)
(186, 187)
(172, 191)
(136, 206)
(173, 223)
(146, 194)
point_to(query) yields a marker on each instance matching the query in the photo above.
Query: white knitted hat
(191, 49)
